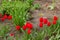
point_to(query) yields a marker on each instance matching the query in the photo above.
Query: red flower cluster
(3, 17)
(44, 21)
(28, 26)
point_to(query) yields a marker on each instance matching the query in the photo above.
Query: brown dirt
(46, 12)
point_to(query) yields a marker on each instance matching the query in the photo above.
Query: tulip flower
(24, 27)
(54, 22)
(17, 27)
(45, 20)
(29, 25)
(41, 25)
(5, 16)
(55, 18)
(2, 19)
(9, 17)
(29, 31)
(41, 19)
(48, 24)
(0, 15)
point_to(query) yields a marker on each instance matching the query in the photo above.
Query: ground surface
(46, 12)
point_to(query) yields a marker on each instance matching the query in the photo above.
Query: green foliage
(10, 38)
(55, 37)
(50, 33)
(30, 1)
(4, 30)
(18, 10)
(37, 6)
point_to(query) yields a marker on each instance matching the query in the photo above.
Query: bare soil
(44, 11)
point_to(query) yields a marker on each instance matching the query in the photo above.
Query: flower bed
(18, 12)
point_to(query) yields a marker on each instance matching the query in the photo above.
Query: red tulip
(41, 25)
(9, 17)
(48, 24)
(11, 34)
(45, 20)
(29, 31)
(55, 18)
(5, 16)
(24, 27)
(41, 19)
(17, 27)
(54, 22)
(2, 19)
(0, 15)
(29, 25)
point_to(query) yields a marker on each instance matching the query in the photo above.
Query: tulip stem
(56, 28)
